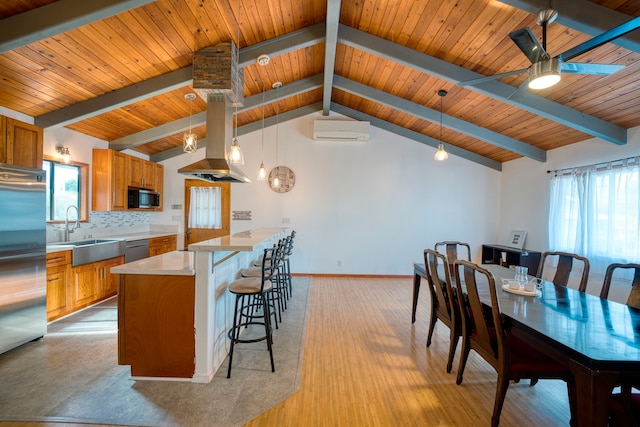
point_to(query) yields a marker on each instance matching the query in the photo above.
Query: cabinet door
(85, 284)
(148, 175)
(161, 245)
(58, 299)
(119, 181)
(22, 144)
(135, 172)
(110, 281)
(159, 183)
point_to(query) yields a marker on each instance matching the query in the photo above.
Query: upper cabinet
(20, 143)
(141, 173)
(114, 172)
(109, 180)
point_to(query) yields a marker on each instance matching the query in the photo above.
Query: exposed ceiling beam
(180, 125)
(431, 115)
(416, 136)
(331, 43)
(494, 89)
(173, 80)
(56, 18)
(116, 99)
(243, 130)
(584, 16)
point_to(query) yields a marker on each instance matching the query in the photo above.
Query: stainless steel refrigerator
(23, 291)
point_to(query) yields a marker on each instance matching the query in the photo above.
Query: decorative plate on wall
(281, 179)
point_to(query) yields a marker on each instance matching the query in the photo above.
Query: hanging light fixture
(276, 86)
(190, 140)
(235, 152)
(441, 154)
(262, 171)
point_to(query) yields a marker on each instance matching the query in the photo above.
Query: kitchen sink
(87, 251)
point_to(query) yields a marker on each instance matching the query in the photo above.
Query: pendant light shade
(441, 154)
(262, 171)
(190, 140)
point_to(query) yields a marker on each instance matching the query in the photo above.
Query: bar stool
(251, 297)
(275, 261)
(287, 265)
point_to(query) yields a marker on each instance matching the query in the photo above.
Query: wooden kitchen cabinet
(94, 282)
(20, 143)
(141, 173)
(109, 180)
(161, 245)
(158, 186)
(59, 295)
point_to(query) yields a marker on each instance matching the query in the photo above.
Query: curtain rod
(612, 163)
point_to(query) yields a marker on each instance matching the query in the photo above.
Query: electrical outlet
(177, 217)
(339, 263)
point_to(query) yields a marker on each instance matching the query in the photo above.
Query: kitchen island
(174, 309)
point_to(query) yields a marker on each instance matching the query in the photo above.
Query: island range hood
(214, 167)
(218, 78)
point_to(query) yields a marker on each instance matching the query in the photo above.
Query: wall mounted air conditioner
(341, 130)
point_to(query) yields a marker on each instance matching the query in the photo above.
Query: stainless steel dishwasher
(135, 250)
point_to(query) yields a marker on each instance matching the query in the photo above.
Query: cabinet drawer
(58, 258)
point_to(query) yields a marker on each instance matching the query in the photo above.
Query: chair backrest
(634, 295)
(451, 250)
(565, 267)
(486, 334)
(269, 264)
(443, 292)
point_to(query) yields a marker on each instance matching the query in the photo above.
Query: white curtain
(205, 209)
(594, 212)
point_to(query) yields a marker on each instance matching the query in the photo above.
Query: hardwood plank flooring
(366, 365)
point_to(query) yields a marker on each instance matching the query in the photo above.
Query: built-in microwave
(143, 199)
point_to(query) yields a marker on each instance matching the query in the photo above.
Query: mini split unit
(341, 130)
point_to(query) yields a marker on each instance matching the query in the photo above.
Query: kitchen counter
(58, 246)
(242, 241)
(176, 263)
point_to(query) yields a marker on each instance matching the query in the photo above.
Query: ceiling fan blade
(603, 38)
(489, 78)
(529, 44)
(589, 68)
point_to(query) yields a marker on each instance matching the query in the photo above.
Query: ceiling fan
(544, 70)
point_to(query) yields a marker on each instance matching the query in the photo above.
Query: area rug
(72, 375)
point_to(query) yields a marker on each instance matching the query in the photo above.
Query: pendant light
(441, 154)
(262, 171)
(235, 152)
(189, 139)
(276, 86)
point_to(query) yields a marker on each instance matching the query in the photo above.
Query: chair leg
(234, 332)
(501, 393)
(464, 355)
(453, 344)
(432, 324)
(267, 328)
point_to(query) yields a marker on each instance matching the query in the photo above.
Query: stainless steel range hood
(214, 167)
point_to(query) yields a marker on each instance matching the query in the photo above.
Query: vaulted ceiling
(118, 70)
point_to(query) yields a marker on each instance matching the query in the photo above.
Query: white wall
(525, 184)
(374, 206)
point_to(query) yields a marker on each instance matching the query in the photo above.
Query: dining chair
(564, 268)
(511, 357)
(443, 304)
(451, 249)
(634, 295)
(625, 406)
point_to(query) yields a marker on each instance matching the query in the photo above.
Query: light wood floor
(366, 365)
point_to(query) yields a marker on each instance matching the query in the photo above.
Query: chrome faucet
(68, 230)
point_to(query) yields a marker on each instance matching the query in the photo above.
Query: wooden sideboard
(493, 254)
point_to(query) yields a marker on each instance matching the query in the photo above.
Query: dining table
(596, 338)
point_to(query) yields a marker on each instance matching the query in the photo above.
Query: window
(206, 207)
(66, 186)
(595, 211)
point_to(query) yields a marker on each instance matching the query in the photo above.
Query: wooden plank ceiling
(119, 72)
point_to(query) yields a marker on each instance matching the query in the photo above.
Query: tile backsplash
(103, 224)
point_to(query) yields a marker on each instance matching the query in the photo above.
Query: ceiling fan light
(544, 74)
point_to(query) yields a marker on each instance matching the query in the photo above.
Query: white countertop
(176, 263)
(242, 241)
(60, 246)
